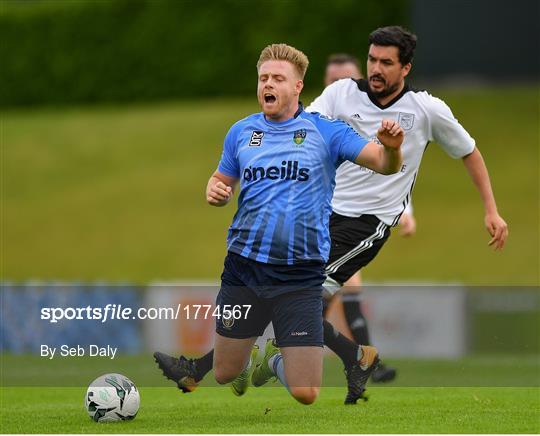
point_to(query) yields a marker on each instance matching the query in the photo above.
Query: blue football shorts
(289, 296)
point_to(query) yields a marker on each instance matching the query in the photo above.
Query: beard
(387, 90)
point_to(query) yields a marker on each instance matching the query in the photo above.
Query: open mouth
(378, 80)
(269, 98)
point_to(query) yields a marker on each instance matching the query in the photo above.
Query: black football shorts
(355, 243)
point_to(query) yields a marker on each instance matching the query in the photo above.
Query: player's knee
(305, 395)
(224, 375)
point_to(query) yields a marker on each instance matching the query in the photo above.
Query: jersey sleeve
(344, 142)
(228, 165)
(325, 103)
(409, 208)
(448, 132)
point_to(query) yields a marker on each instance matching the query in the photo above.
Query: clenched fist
(390, 134)
(218, 193)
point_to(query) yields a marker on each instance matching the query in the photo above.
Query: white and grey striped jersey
(360, 191)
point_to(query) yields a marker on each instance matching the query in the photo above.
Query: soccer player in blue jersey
(284, 161)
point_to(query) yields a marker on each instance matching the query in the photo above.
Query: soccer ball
(112, 397)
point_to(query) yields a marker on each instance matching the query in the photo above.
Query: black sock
(204, 365)
(346, 349)
(355, 319)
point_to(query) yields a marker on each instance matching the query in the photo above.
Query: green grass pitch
(478, 394)
(272, 410)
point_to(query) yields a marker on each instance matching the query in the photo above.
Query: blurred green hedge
(60, 51)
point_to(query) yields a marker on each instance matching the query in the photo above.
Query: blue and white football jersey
(286, 172)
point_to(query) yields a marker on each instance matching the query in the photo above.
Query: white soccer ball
(112, 397)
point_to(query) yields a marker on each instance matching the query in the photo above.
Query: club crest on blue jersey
(299, 136)
(406, 121)
(256, 138)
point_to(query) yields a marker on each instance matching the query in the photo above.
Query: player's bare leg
(303, 372)
(299, 369)
(231, 357)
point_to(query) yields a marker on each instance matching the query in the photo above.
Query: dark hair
(342, 58)
(397, 36)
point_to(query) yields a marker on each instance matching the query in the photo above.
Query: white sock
(271, 362)
(275, 363)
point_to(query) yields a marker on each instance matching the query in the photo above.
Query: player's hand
(498, 229)
(219, 194)
(390, 134)
(407, 225)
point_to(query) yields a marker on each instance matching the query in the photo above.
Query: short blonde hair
(284, 52)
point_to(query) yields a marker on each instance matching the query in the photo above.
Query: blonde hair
(284, 52)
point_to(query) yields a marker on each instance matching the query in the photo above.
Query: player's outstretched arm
(386, 158)
(495, 225)
(219, 189)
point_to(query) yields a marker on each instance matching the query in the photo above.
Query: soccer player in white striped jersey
(343, 66)
(361, 222)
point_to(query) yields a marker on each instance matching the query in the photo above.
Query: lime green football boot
(262, 372)
(240, 384)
